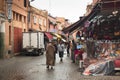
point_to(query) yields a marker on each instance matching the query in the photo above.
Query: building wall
(61, 23)
(56, 24)
(38, 19)
(19, 14)
(52, 24)
(19, 21)
(95, 1)
(2, 27)
(61, 20)
(2, 6)
(12, 31)
(90, 6)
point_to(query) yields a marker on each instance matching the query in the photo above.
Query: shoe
(47, 67)
(67, 55)
(61, 60)
(52, 67)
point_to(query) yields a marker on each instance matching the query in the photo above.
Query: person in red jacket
(79, 55)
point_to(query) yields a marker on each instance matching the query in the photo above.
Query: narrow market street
(33, 32)
(34, 68)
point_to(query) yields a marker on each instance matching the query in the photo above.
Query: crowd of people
(51, 50)
(101, 64)
(74, 50)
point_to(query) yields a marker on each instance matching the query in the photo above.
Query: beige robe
(50, 55)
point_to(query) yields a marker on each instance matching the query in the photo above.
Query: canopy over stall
(49, 36)
(103, 21)
(80, 23)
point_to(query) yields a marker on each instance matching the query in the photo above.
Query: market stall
(103, 40)
(101, 30)
(106, 58)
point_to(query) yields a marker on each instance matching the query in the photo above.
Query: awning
(50, 37)
(81, 22)
(57, 35)
(60, 36)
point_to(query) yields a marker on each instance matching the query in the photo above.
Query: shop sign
(9, 10)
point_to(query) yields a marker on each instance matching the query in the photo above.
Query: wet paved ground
(34, 68)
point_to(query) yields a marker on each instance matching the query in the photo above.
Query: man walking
(61, 51)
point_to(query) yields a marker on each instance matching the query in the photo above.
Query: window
(40, 21)
(24, 19)
(17, 16)
(25, 3)
(20, 18)
(13, 15)
(35, 20)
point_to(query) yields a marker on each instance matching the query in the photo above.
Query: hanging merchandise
(78, 35)
(87, 24)
(117, 33)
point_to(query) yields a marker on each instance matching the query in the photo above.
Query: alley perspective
(34, 68)
(42, 40)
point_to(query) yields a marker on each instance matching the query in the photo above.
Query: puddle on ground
(39, 64)
(34, 70)
(19, 77)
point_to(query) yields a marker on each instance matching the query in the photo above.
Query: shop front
(102, 38)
